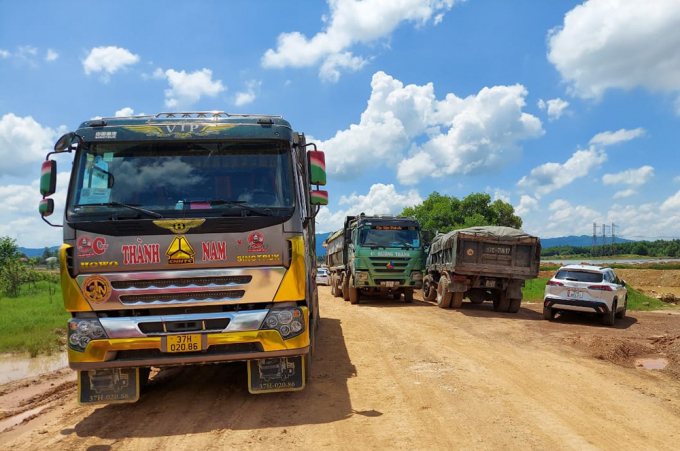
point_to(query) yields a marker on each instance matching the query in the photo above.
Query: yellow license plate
(184, 343)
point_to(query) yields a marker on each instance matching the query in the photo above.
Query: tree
(445, 213)
(8, 250)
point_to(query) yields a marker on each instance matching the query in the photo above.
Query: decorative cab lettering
(214, 251)
(141, 254)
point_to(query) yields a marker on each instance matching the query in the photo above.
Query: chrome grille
(379, 265)
(182, 282)
(182, 297)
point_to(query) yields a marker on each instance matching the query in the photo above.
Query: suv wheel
(609, 318)
(622, 313)
(549, 313)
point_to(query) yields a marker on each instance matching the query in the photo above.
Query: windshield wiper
(118, 204)
(240, 204)
(372, 245)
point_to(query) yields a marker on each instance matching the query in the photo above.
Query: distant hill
(572, 240)
(34, 252)
(320, 238)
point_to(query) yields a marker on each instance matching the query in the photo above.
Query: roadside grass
(636, 301)
(33, 322)
(534, 290)
(670, 266)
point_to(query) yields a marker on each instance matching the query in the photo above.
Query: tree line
(658, 248)
(17, 271)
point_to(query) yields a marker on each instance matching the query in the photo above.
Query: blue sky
(567, 110)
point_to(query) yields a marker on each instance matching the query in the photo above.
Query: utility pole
(614, 227)
(604, 239)
(594, 246)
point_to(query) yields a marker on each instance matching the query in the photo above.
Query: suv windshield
(389, 236)
(578, 276)
(166, 178)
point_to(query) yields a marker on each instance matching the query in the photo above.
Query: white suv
(584, 288)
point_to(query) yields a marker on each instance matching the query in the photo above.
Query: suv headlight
(289, 321)
(83, 330)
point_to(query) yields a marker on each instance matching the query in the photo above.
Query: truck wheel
(457, 299)
(396, 296)
(354, 293)
(549, 313)
(429, 289)
(514, 305)
(334, 292)
(144, 374)
(503, 303)
(443, 293)
(408, 295)
(610, 318)
(345, 288)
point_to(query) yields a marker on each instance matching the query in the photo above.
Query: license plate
(575, 294)
(391, 284)
(184, 343)
(276, 374)
(490, 283)
(108, 386)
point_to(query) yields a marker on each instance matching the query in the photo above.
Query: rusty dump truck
(188, 239)
(481, 263)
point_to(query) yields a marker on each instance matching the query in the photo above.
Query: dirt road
(393, 375)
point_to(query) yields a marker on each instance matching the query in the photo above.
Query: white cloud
(249, 95)
(27, 50)
(526, 204)
(630, 177)
(551, 176)
(187, 89)
(4, 54)
(500, 194)
(24, 143)
(330, 69)
(351, 22)
(611, 138)
(624, 193)
(568, 220)
(479, 131)
(125, 112)
(381, 199)
(605, 44)
(108, 60)
(556, 107)
(51, 55)
(676, 179)
(672, 203)
(21, 220)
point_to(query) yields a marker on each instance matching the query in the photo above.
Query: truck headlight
(289, 321)
(417, 275)
(83, 330)
(361, 275)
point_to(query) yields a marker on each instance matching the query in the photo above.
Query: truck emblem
(470, 252)
(96, 289)
(256, 242)
(180, 251)
(181, 131)
(390, 265)
(178, 225)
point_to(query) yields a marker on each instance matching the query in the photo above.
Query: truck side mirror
(317, 167)
(318, 197)
(46, 207)
(48, 178)
(426, 236)
(64, 143)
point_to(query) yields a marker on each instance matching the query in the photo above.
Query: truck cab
(188, 239)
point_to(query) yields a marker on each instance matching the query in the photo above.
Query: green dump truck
(376, 255)
(481, 263)
(188, 239)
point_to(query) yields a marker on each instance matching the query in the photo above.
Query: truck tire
(502, 303)
(443, 293)
(514, 305)
(345, 288)
(334, 288)
(408, 295)
(395, 296)
(429, 289)
(457, 299)
(354, 293)
(144, 374)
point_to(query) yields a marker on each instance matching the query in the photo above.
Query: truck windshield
(164, 178)
(389, 236)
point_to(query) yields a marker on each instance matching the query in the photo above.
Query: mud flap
(108, 386)
(276, 374)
